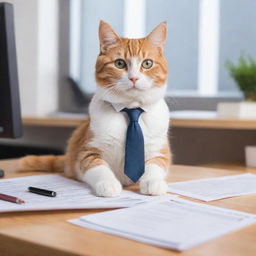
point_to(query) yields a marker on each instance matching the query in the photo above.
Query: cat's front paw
(108, 188)
(154, 187)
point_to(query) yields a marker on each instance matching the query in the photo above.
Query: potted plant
(244, 74)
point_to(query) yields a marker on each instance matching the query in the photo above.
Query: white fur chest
(109, 133)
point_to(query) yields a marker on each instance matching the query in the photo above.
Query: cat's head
(131, 70)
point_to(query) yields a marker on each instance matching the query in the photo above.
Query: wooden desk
(48, 234)
(187, 119)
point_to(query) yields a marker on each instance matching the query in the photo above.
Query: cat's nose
(134, 79)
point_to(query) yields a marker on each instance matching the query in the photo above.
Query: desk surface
(48, 233)
(187, 119)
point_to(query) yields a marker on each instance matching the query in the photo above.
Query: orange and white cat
(130, 73)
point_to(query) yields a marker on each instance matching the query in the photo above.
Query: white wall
(36, 25)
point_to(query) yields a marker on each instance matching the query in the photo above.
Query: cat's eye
(147, 63)
(120, 63)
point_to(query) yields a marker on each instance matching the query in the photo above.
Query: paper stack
(216, 188)
(71, 194)
(174, 223)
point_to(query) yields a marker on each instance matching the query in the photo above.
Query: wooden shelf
(215, 123)
(187, 119)
(209, 119)
(52, 121)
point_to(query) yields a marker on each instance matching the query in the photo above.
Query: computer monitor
(10, 114)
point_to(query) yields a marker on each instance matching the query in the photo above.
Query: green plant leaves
(244, 73)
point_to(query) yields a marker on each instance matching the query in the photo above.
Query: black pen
(42, 192)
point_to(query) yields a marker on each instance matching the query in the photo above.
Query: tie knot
(133, 113)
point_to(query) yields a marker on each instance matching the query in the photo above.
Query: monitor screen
(10, 114)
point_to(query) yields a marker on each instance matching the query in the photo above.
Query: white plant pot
(250, 156)
(242, 109)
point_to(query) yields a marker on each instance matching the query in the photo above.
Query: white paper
(175, 223)
(216, 188)
(71, 194)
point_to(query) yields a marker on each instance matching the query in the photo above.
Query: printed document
(216, 188)
(71, 194)
(174, 223)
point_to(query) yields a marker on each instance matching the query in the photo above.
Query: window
(202, 35)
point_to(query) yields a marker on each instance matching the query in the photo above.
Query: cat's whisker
(105, 93)
(106, 90)
(110, 85)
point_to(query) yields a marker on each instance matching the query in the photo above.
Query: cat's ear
(108, 37)
(157, 37)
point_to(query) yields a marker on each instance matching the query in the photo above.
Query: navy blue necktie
(134, 148)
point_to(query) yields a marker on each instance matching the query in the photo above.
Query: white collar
(119, 106)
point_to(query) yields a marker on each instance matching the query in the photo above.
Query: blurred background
(57, 45)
